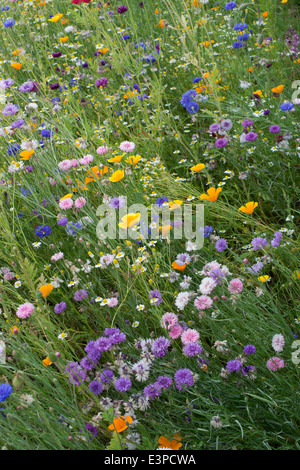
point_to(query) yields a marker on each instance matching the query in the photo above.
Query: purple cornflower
(226, 124)
(217, 275)
(7, 83)
(259, 243)
(117, 202)
(183, 379)
(117, 338)
(60, 308)
(221, 244)
(164, 381)
(208, 230)
(18, 123)
(27, 87)
(123, 384)
(96, 387)
(160, 346)
(192, 349)
(275, 242)
(77, 376)
(92, 429)
(155, 294)
(251, 136)
(87, 364)
(101, 82)
(274, 129)
(256, 267)
(122, 9)
(247, 369)
(152, 390)
(103, 344)
(182, 259)
(80, 294)
(249, 349)
(106, 376)
(62, 221)
(10, 110)
(234, 366)
(93, 352)
(247, 123)
(220, 143)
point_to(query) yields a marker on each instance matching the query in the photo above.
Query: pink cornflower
(235, 286)
(74, 163)
(278, 343)
(169, 320)
(57, 256)
(112, 302)
(127, 146)
(275, 363)
(207, 285)
(65, 165)
(86, 159)
(102, 150)
(66, 203)
(176, 331)
(203, 302)
(25, 310)
(80, 202)
(190, 336)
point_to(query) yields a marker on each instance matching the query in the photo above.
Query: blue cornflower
(43, 231)
(5, 391)
(13, 149)
(192, 107)
(230, 5)
(240, 26)
(72, 228)
(287, 106)
(9, 23)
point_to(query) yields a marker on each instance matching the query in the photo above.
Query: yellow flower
(116, 159)
(175, 204)
(16, 65)
(56, 17)
(249, 207)
(212, 194)
(47, 361)
(130, 220)
(67, 196)
(26, 154)
(117, 176)
(264, 278)
(46, 289)
(198, 167)
(133, 160)
(64, 39)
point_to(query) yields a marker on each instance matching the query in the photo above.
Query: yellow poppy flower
(264, 278)
(212, 194)
(116, 159)
(198, 167)
(278, 89)
(130, 220)
(117, 176)
(56, 18)
(249, 207)
(66, 196)
(133, 160)
(175, 204)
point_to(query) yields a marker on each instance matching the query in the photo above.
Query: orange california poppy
(278, 89)
(116, 159)
(47, 361)
(26, 154)
(64, 39)
(212, 194)
(265, 14)
(16, 65)
(46, 289)
(173, 444)
(120, 424)
(249, 207)
(178, 266)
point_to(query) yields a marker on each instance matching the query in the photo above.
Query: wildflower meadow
(149, 205)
